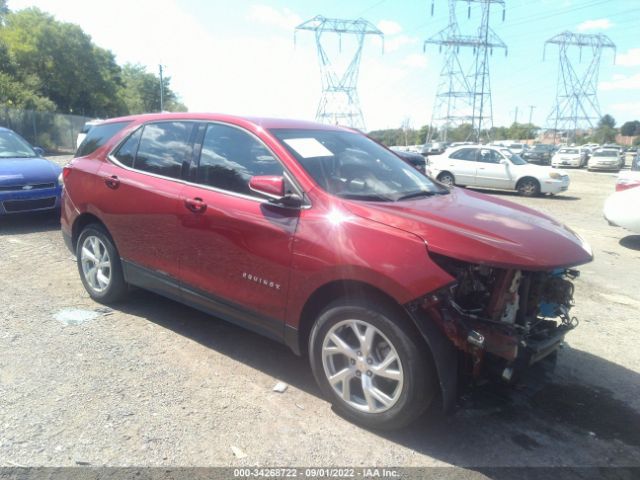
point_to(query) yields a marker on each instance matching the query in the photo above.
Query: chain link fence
(55, 132)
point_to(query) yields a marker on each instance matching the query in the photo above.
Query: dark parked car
(434, 148)
(392, 284)
(416, 160)
(540, 154)
(28, 182)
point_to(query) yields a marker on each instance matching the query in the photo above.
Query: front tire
(528, 187)
(374, 368)
(99, 265)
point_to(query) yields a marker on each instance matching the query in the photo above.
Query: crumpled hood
(480, 229)
(19, 171)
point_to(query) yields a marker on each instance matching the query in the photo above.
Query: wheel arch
(335, 290)
(527, 177)
(82, 221)
(442, 352)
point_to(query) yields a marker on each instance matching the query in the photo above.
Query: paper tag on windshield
(308, 147)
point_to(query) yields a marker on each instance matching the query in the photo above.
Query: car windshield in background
(350, 165)
(569, 151)
(606, 153)
(514, 158)
(12, 146)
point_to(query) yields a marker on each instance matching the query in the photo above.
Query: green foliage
(461, 133)
(607, 121)
(141, 92)
(50, 65)
(630, 129)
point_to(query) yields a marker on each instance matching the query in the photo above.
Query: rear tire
(381, 377)
(447, 178)
(99, 265)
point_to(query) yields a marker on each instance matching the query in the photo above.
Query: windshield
(13, 146)
(514, 158)
(606, 153)
(568, 150)
(350, 165)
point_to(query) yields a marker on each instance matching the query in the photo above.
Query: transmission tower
(576, 105)
(464, 89)
(339, 103)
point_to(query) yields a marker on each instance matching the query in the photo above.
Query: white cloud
(266, 15)
(622, 82)
(394, 43)
(599, 24)
(629, 59)
(415, 60)
(632, 107)
(389, 27)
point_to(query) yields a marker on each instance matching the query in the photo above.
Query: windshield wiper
(370, 196)
(421, 193)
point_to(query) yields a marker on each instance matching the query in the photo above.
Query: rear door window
(165, 148)
(98, 136)
(468, 154)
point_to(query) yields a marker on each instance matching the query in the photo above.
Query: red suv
(394, 285)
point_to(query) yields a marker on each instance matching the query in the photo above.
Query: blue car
(28, 182)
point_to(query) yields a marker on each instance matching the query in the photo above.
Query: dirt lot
(157, 383)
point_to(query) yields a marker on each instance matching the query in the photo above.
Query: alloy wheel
(362, 366)
(96, 264)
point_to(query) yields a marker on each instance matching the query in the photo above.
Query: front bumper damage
(493, 322)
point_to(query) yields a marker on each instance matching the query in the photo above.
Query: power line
(464, 91)
(576, 105)
(339, 103)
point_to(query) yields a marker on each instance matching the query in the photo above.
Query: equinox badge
(261, 281)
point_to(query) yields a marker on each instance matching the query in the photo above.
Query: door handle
(112, 182)
(196, 205)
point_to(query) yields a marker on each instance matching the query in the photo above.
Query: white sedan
(569, 157)
(495, 167)
(621, 209)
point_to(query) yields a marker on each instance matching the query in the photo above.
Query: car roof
(264, 122)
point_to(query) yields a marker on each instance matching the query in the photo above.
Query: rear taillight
(65, 172)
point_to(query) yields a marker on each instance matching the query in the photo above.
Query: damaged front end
(501, 320)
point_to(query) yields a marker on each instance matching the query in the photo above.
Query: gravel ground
(155, 383)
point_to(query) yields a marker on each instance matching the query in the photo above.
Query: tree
(71, 71)
(4, 10)
(141, 91)
(607, 121)
(605, 132)
(630, 129)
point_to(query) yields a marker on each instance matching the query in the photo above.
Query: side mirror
(39, 151)
(504, 161)
(272, 186)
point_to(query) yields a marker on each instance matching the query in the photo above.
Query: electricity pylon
(464, 89)
(339, 103)
(576, 105)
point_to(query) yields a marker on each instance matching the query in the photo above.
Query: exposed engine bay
(517, 317)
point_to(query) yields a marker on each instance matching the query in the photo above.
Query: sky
(239, 56)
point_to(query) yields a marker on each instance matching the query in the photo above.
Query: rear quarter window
(98, 136)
